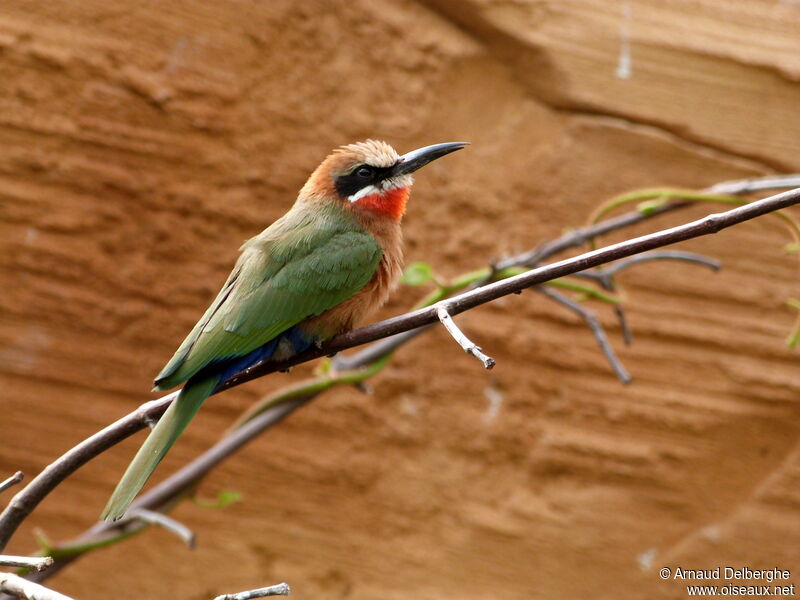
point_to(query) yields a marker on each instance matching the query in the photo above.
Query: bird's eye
(364, 172)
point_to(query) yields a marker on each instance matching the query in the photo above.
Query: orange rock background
(141, 142)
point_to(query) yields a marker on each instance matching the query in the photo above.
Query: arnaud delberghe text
(728, 573)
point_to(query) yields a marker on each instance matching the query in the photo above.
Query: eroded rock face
(140, 144)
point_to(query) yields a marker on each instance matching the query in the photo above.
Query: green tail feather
(164, 434)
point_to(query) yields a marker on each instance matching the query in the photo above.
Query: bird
(313, 273)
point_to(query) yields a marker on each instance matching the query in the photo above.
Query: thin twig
(580, 236)
(376, 350)
(37, 563)
(605, 275)
(35, 491)
(282, 589)
(462, 340)
(593, 324)
(755, 184)
(627, 335)
(691, 257)
(22, 588)
(13, 480)
(156, 518)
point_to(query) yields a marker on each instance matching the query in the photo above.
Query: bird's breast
(372, 296)
(389, 204)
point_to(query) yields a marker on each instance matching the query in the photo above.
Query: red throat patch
(390, 204)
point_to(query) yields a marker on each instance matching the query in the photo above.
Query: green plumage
(299, 267)
(302, 265)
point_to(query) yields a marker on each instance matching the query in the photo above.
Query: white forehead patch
(372, 152)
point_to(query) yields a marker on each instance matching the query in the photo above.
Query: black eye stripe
(352, 182)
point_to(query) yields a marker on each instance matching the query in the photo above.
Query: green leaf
(224, 498)
(648, 207)
(44, 543)
(324, 367)
(228, 497)
(584, 291)
(417, 273)
(793, 339)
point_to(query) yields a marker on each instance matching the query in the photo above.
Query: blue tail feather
(229, 367)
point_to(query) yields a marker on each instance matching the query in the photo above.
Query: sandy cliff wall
(140, 143)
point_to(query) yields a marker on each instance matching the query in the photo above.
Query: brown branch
(26, 500)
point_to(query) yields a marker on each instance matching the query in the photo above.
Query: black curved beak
(415, 159)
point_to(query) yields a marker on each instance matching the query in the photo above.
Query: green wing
(281, 278)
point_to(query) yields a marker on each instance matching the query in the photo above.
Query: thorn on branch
(152, 517)
(22, 588)
(37, 563)
(462, 340)
(594, 325)
(281, 589)
(13, 480)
